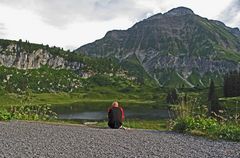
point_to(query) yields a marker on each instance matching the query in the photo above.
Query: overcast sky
(72, 23)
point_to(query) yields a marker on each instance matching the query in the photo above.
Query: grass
(193, 117)
(87, 100)
(208, 127)
(227, 54)
(10, 99)
(231, 102)
(141, 124)
(161, 125)
(138, 100)
(94, 99)
(7, 100)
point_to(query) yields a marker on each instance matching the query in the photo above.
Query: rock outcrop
(34, 60)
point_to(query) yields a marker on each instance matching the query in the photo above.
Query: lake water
(102, 115)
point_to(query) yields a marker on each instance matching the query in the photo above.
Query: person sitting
(115, 116)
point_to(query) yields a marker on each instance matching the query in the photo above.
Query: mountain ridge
(174, 49)
(175, 43)
(38, 68)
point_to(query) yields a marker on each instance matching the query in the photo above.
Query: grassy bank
(84, 100)
(141, 124)
(99, 99)
(96, 100)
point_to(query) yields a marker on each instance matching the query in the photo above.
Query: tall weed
(191, 117)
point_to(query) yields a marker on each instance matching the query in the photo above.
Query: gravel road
(31, 139)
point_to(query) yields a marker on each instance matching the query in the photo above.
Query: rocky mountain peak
(179, 11)
(175, 47)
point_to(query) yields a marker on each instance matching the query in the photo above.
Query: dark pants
(115, 124)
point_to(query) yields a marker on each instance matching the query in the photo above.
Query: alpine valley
(174, 49)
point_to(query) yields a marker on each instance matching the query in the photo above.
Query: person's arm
(123, 116)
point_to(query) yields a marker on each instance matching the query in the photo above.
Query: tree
(168, 99)
(211, 92)
(19, 45)
(213, 105)
(172, 97)
(226, 85)
(231, 86)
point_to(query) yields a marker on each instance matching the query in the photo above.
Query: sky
(73, 23)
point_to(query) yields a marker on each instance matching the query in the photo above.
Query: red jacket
(123, 116)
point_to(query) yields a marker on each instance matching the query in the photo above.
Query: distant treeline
(232, 84)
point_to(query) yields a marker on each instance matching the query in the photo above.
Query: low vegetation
(140, 124)
(209, 127)
(45, 80)
(29, 112)
(211, 120)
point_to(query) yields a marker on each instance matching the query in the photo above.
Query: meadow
(188, 117)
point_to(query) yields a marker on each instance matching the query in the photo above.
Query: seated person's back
(115, 116)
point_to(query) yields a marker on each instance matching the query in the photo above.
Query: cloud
(70, 47)
(2, 29)
(2, 26)
(231, 14)
(119, 8)
(60, 13)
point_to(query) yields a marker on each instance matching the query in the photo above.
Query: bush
(180, 125)
(192, 118)
(101, 80)
(126, 90)
(36, 112)
(207, 126)
(5, 115)
(229, 132)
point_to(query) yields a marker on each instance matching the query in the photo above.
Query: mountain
(39, 68)
(177, 48)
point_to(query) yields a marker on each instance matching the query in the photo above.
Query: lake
(78, 111)
(102, 115)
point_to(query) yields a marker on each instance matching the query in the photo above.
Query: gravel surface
(31, 139)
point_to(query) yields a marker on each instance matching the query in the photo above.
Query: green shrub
(229, 132)
(36, 112)
(207, 126)
(5, 115)
(180, 125)
(192, 118)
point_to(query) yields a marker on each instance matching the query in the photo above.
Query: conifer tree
(172, 97)
(211, 92)
(213, 105)
(231, 87)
